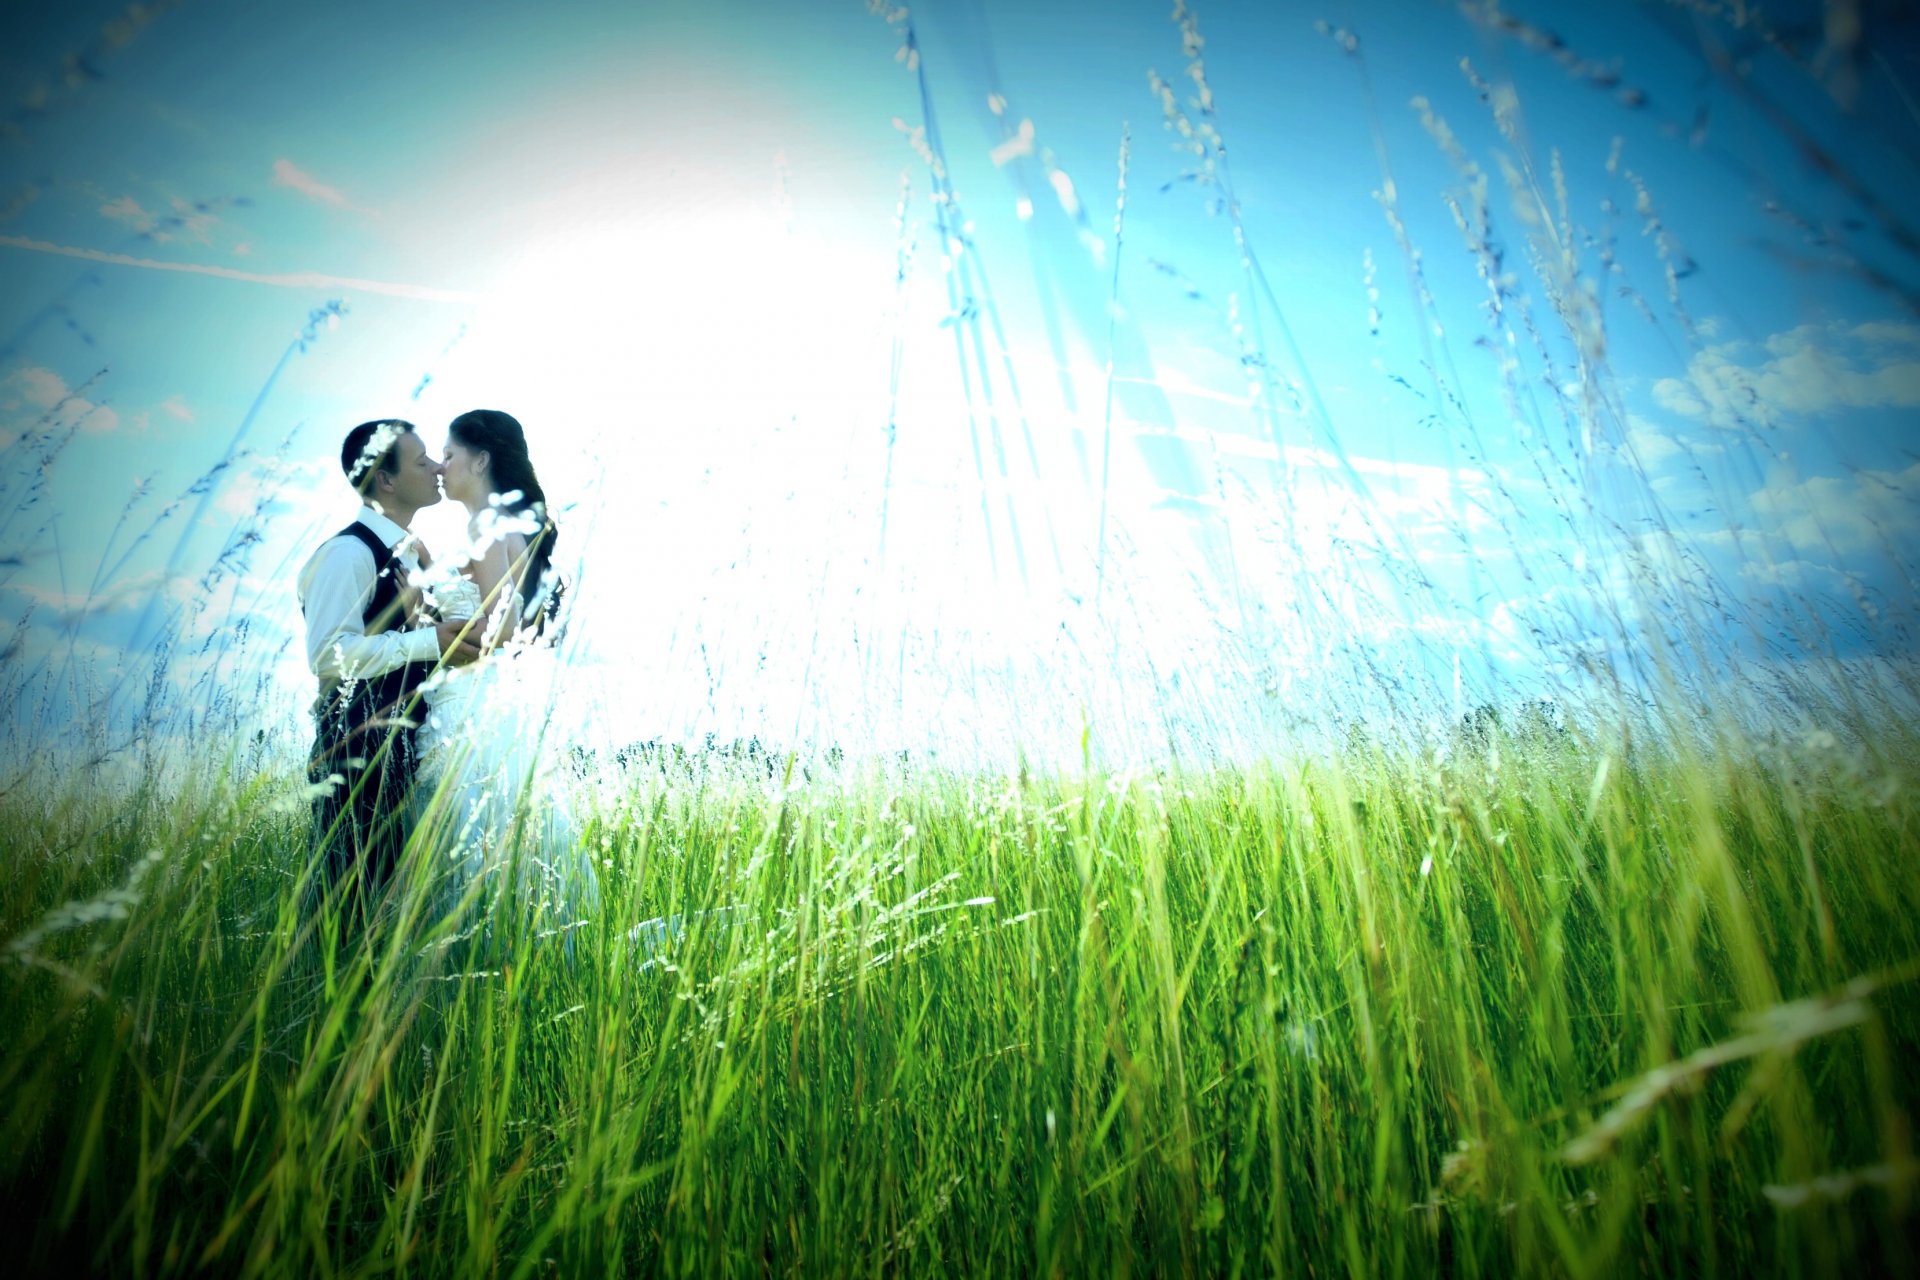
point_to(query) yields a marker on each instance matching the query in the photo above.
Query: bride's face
(465, 475)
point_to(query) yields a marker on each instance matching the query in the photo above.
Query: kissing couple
(437, 676)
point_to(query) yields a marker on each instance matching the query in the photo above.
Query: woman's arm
(499, 574)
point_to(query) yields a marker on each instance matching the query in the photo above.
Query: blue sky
(674, 244)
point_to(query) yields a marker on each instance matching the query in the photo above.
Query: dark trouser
(360, 822)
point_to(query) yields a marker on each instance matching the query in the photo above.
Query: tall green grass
(1633, 997)
(1552, 1004)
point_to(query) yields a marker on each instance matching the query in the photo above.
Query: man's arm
(334, 592)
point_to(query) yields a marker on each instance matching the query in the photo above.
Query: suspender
(358, 701)
(382, 612)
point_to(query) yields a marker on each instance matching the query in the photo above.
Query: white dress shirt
(336, 585)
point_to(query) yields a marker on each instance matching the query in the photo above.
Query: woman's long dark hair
(500, 436)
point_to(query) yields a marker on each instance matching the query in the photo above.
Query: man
(371, 656)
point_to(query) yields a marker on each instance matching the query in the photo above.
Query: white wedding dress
(493, 790)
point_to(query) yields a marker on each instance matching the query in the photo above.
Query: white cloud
(196, 222)
(1806, 575)
(179, 219)
(264, 482)
(1832, 514)
(175, 406)
(1783, 573)
(1800, 373)
(42, 389)
(1889, 334)
(127, 210)
(99, 420)
(128, 595)
(287, 174)
(1649, 445)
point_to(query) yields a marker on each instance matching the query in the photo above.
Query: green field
(1560, 1003)
(1632, 993)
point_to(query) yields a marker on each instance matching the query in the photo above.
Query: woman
(492, 785)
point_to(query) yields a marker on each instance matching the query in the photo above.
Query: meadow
(1628, 987)
(1558, 1003)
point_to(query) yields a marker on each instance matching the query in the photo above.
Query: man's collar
(383, 526)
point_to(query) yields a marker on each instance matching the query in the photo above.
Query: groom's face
(416, 477)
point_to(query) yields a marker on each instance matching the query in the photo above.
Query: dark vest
(363, 737)
(346, 713)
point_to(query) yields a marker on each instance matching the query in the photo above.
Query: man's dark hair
(358, 460)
